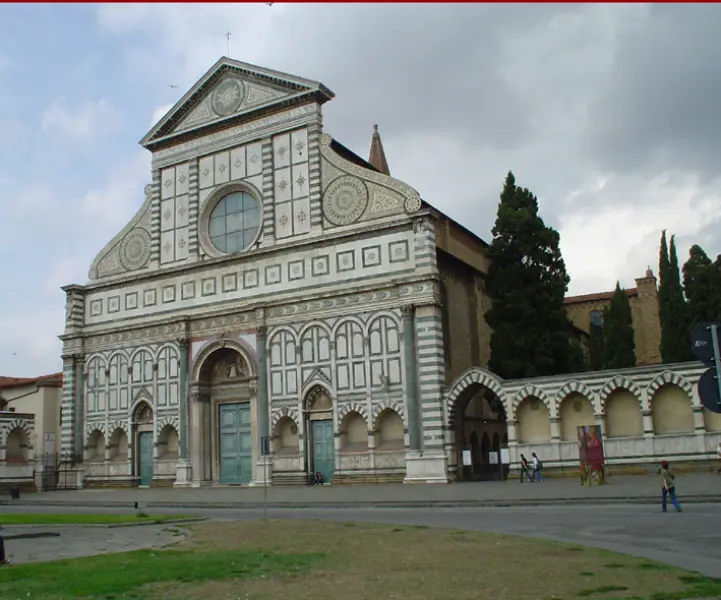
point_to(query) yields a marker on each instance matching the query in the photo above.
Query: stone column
(411, 376)
(201, 446)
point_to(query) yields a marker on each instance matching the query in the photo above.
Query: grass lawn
(312, 560)
(79, 519)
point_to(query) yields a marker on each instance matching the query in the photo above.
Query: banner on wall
(590, 454)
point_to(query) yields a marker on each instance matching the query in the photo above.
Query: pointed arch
(475, 376)
(91, 428)
(349, 407)
(17, 424)
(281, 413)
(619, 382)
(119, 424)
(531, 391)
(577, 387)
(666, 378)
(384, 405)
(317, 379)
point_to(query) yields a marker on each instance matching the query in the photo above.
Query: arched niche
(118, 445)
(17, 447)
(534, 424)
(168, 443)
(389, 431)
(95, 447)
(353, 433)
(575, 410)
(285, 437)
(671, 411)
(623, 415)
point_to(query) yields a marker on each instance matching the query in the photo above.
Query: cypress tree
(675, 342)
(619, 348)
(697, 280)
(527, 282)
(595, 347)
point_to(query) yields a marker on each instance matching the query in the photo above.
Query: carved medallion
(227, 97)
(345, 200)
(412, 204)
(135, 249)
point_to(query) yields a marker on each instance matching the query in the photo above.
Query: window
(596, 318)
(234, 222)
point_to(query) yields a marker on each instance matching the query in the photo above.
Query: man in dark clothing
(3, 559)
(525, 469)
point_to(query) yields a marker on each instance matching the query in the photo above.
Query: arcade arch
(575, 410)
(623, 416)
(671, 410)
(476, 416)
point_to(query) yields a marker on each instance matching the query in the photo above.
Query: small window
(596, 318)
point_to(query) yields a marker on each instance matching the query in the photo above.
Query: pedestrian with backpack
(669, 487)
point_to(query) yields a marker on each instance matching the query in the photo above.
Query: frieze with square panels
(342, 263)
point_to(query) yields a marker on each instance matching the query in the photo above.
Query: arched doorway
(143, 434)
(477, 413)
(318, 414)
(225, 416)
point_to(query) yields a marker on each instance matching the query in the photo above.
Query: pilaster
(411, 377)
(183, 397)
(193, 209)
(79, 361)
(268, 238)
(155, 220)
(314, 177)
(68, 424)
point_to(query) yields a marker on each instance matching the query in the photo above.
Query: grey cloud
(660, 108)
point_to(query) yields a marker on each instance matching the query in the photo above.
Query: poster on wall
(590, 454)
(467, 460)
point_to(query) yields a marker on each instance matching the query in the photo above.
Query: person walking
(525, 468)
(537, 467)
(718, 455)
(669, 487)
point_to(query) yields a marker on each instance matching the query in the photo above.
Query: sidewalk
(692, 488)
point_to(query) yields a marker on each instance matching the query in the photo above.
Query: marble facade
(188, 364)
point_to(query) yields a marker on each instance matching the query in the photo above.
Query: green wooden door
(323, 449)
(236, 444)
(145, 457)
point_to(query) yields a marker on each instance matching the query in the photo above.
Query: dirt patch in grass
(366, 561)
(316, 560)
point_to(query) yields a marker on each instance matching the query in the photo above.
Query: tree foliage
(702, 286)
(527, 282)
(619, 348)
(673, 311)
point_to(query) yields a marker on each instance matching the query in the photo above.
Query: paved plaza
(74, 542)
(695, 487)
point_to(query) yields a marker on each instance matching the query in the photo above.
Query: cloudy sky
(609, 113)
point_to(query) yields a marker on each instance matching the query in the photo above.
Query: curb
(178, 521)
(612, 500)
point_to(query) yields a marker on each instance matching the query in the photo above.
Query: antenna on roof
(227, 37)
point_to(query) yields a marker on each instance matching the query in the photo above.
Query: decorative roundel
(345, 200)
(412, 204)
(135, 249)
(227, 97)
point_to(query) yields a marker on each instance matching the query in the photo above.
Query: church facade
(280, 306)
(274, 309)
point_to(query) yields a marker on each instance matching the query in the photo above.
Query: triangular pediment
(233, 91)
